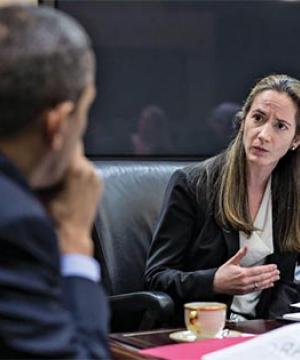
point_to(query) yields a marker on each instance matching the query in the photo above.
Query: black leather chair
(133, 193)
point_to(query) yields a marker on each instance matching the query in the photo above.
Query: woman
(229, 229)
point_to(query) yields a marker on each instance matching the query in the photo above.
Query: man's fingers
(78, 154)
(236, 258)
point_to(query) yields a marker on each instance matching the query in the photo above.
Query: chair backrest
(133, 194)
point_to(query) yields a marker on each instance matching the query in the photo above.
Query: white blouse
(260, 245)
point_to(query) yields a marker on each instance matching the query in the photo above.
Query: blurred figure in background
(115, 141)
(153, 135)
(220, 127)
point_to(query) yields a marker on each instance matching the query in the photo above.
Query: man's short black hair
(45, 59)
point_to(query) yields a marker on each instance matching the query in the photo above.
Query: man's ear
(55, 124)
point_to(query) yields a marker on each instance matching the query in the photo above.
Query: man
(51, 304)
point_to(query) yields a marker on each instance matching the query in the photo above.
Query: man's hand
(73, 208)
(233, 279)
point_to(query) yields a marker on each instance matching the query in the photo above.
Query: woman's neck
(257, 180)
(258, 177)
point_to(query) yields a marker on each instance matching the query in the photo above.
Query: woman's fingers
(237, 257)
(231, 278)
(263, 276)
(259, 277)
(255, 271)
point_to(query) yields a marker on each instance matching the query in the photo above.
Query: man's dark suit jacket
(42, 314)
(188, 247)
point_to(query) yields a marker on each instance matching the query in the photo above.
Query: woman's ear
(56, 124)
(295, 143)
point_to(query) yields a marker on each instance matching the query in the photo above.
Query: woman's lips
(260, 150)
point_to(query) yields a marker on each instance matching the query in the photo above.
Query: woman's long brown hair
(229, 189)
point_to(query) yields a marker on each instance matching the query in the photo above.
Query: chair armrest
(139, 300)
(156, 307)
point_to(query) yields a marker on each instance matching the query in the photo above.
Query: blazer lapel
(275, 257)
(232, 241)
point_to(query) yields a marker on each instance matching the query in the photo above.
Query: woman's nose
(265, 132)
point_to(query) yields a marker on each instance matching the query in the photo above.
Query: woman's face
(269, 129)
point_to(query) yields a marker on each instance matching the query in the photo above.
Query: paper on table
(192, 351)
(279, 344)
(292, 316)
(296, 305)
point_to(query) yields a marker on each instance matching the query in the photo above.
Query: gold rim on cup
(205, 306)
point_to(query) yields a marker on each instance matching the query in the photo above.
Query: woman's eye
(257, 117)
(281, 126)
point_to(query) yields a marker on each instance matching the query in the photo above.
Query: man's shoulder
(24, 224)
(17, 202)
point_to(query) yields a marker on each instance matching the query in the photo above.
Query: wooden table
(125, 346)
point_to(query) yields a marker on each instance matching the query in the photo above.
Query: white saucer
(188, 336)
(183, 336)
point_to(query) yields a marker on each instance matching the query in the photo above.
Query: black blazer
(42, 314)
(188, 247)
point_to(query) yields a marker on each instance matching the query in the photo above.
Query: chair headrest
(133, 194)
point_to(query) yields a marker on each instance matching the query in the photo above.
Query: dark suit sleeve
(276, 301)
(172, 239)
(43, 315)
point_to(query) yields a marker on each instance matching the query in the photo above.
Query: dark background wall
(185, 57)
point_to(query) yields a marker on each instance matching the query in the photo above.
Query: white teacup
(205, 319)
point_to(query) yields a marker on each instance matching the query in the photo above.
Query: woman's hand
(233, 279)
